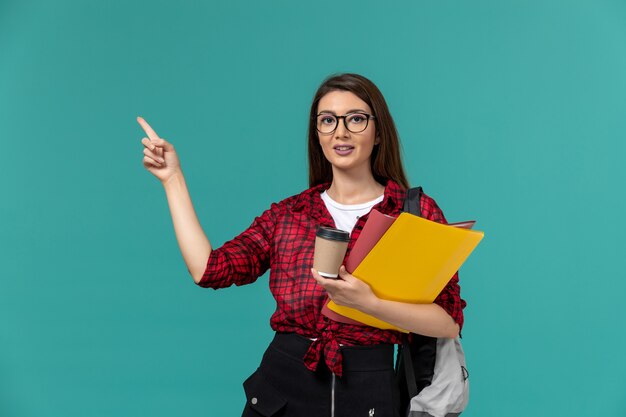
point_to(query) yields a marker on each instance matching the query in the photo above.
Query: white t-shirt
(346, 215)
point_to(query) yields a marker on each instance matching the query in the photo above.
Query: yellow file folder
(412, 262)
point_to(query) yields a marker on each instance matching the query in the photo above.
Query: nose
(341, 131)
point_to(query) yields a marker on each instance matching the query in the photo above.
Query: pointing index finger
(147, 128)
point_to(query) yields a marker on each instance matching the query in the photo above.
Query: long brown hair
(385, 160)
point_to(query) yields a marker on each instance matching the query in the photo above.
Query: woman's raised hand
(160, 158)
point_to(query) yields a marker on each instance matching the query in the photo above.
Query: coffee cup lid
(333, 234)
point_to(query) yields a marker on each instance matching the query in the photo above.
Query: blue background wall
(511, 112)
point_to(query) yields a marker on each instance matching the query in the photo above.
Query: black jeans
(283, 386)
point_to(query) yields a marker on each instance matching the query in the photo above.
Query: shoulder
(430, 209)
(428, 206)
(300, 201)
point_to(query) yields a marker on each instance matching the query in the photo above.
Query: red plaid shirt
(283, 240)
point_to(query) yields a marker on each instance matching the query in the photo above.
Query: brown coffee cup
(330, 249)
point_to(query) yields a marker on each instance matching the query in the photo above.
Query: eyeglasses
(326, 123)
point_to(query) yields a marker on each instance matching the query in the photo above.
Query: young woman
(316, 366)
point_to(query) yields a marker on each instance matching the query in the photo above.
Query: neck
(353, 188)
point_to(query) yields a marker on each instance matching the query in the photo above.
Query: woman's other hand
(160, 158)
(347, 290)
(426, 319)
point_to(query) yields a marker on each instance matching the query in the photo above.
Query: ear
(377, 140)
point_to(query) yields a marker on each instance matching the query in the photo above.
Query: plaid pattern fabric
(283, 240)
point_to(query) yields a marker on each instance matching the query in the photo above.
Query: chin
(347, 167)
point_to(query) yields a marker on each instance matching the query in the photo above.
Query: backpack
(431, 372)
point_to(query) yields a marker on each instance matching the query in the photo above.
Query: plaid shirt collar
(311, 202)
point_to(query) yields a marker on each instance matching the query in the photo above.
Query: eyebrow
(348, 112)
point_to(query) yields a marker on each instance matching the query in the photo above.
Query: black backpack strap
(412, 202)
(415, 365)
(423, 353)
(409, 371)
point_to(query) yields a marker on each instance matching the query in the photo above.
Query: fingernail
(162, 160)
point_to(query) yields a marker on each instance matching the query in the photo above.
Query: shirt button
(254, 401)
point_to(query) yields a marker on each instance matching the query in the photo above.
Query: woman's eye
(357, 118)
(327, 120)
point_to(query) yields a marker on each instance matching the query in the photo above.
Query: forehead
(340, 102)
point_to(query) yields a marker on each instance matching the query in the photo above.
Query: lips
(343, 150)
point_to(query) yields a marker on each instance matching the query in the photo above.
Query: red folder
(375, 227)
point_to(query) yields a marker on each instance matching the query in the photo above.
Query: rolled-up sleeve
(450, 300)
(450, 297)
(243, 259)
